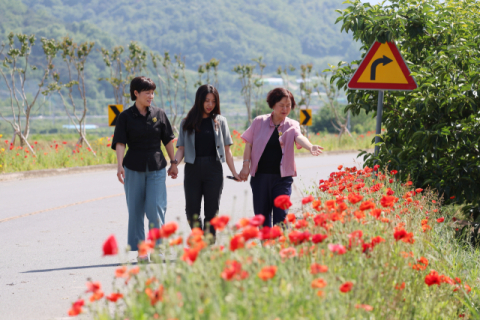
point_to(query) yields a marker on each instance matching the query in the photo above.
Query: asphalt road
(53, 229)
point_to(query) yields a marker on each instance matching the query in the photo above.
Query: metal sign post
(378, 130)
(383, 68)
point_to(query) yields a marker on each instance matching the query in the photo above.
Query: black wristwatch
(174, 161)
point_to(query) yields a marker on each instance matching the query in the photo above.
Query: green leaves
(433, 132)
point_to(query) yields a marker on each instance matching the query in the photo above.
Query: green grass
(198, 291)
(61, 151)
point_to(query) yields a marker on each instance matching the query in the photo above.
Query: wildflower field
(363, 246)
(53, 152)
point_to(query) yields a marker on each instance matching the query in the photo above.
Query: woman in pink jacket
(269, 155)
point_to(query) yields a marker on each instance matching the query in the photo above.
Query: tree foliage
(433, 132)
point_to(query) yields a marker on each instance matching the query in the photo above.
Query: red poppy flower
(376, 167)
(250, 232)
(418, 190)
(121, 272)
(440, 220)
(452, 197)
(318, 238)
(243, 222)
(409, 183)
(390, 180)
(97, 295)
(190, 255)
(114, 297)
(64, 142)
(330, 204)
(388, 201)
(283, 202)
(267, 273)
(288, 253)
(219, 223)
(237, 242)
(290, 217)
(337, 248)
(393, 172)
(301, 224)
(346, 287)
(402, 234)
(340, 167)
(76, 308)
(354, 198)
(297, 237)
(257, 220)
(156, 295)
(376, 213)
(176, 242)
(153, 234)
(365, 307)
(400, 287)
(267, 233)
(110, 246)
(318, 268)
(432, 278)
(367, 205)
(233, 271)
(376, 240)
(319, 283)
(308, 199)
(317, 205)
(145, 247)
(168, 229)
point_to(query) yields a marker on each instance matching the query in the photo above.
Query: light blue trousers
(146, 193)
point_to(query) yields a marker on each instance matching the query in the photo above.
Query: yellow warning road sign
(306, 117)
(113, 112)
(383, 68)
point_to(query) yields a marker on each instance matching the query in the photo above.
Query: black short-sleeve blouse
(142, 135)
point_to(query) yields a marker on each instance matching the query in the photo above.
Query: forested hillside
(284, 32)
(233, 31)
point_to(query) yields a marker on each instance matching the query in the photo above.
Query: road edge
(22, 175)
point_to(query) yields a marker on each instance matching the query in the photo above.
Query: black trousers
(265, 188)
(204, 179)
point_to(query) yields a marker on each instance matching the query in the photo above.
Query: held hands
(173, 171)
(121, 174)
(237, 177)
(316, 150)
(245, 172)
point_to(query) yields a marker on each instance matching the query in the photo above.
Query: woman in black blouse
(142, 127)
(204, 140)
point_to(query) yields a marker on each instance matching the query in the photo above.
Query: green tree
(433, 133)
(75, 57)
(172, 81)
(16, 67)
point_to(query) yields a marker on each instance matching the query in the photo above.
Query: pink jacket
(260, 132)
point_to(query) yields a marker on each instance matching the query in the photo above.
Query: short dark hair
(278, 94)
(140, 84)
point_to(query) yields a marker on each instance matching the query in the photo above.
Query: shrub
(433, 132)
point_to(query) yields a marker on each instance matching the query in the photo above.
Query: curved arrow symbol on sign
(385, 60)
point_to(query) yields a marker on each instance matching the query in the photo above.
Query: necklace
(279, 132)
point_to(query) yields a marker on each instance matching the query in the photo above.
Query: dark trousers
(204, 179)
(265, 188)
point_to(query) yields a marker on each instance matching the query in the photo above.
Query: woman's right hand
(244, 173)
(121, 174)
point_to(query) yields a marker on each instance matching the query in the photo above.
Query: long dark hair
(195, 115)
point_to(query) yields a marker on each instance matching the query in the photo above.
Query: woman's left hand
(316, 150)
(173, 171)
(237, 177)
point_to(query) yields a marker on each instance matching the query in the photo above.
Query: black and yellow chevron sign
(306, 117)
(113, 112)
